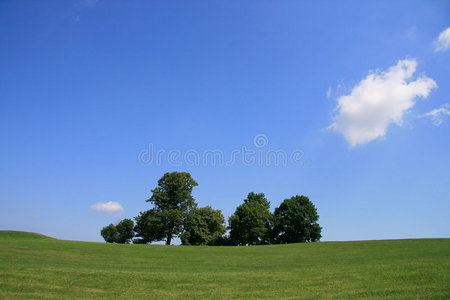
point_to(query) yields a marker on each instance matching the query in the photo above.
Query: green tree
(250, 222)
(172, 202)
(109, 233)
(295, 220)
(223, 240)
(203, 226)
(150, 226)
(125, 231)
(121, 233)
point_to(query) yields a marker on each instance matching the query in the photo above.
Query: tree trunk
(169, 239)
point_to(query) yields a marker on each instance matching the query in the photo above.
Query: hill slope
(34, 266)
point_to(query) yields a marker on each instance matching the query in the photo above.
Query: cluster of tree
(121, 233)
(175, 213)
(294, 221)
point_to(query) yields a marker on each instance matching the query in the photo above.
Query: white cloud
(443, 41)
(437, 115)
(378, 100)
(108, 207)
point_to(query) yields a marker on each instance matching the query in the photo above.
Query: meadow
(36, 266)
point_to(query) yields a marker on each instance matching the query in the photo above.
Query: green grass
(35, 266)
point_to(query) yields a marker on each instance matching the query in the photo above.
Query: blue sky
(354, 94)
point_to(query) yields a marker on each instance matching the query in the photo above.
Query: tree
(203, 226)
(121, 233)
(251, 220)
(150, 226)
(125, 231)
(295, 220)
(223, 240)
(109, 233)
(172, 202)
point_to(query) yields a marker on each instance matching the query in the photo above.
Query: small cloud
(378, 100)
(108, 207)
(437, 115)
(443, 41)
(329, 92)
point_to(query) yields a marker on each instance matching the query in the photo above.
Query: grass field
(36, 266)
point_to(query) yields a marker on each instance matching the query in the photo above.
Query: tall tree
(172, 202)
(249, 225)
(203, 226)
(295, 220)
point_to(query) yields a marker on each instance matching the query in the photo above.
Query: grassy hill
(36, 266)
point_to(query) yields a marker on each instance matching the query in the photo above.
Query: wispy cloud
(80, 6)
(443, 41)
(90, 3)
(411, 33)
(437, 115)
(329, 92)
(108, 207)
(378, 100)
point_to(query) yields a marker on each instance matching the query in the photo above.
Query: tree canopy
(172, 202)
(249, 225)
(175, 214)
(121, 233)
(295, 220)
(125, 231)
(109, 233)
(150, 226)
(203, 226)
